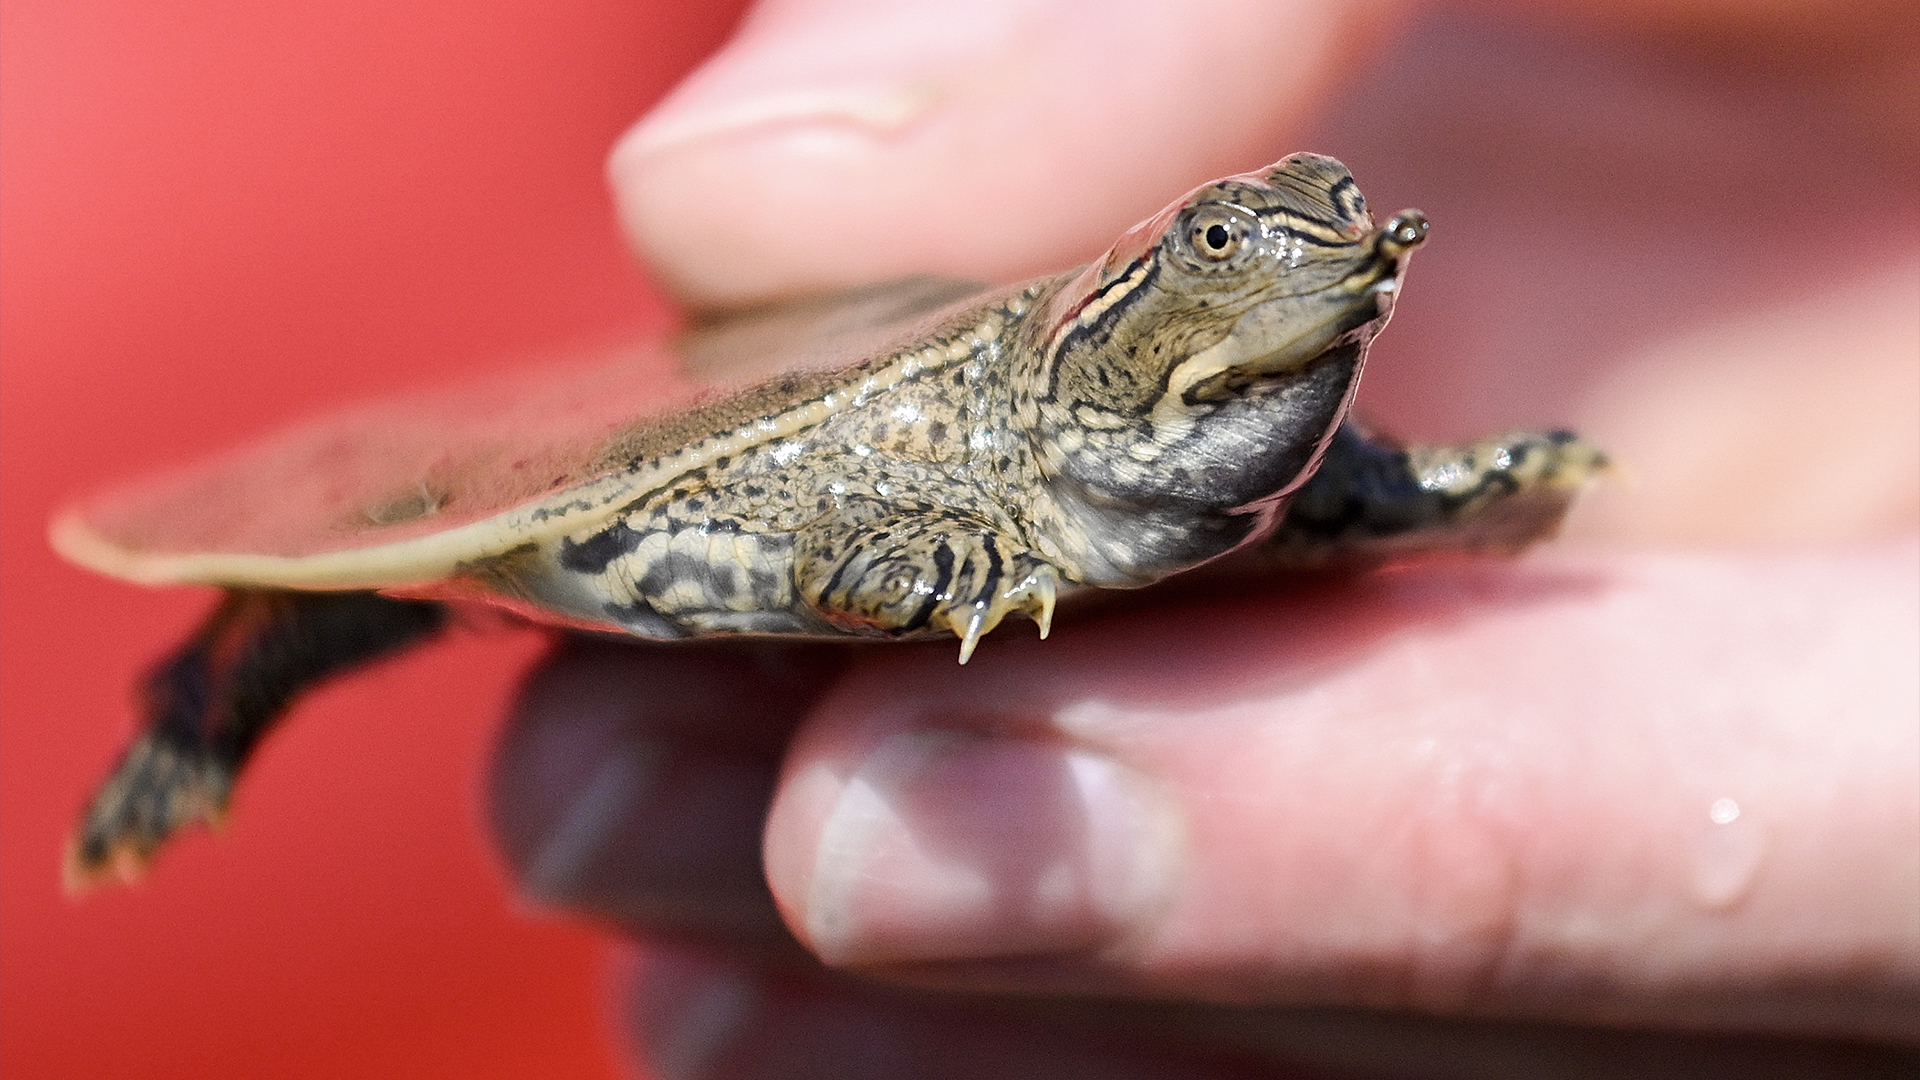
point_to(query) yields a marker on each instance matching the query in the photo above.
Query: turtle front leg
(868, 569)
(1373, 500)
(209, 705)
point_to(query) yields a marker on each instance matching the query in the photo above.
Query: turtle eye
(1218, 233)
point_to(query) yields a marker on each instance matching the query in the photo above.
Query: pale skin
(1662, 777)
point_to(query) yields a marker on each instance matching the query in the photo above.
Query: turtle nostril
(1405, 231)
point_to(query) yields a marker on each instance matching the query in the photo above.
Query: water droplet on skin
(1727, 848)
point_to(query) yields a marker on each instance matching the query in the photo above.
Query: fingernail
(650, 836)
(688, 1010)
(875, 108)
(618, 789)
(849, 107)
(947, 845)
(871, 66)
(599, 808)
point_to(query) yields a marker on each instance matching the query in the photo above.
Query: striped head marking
(1207, 358)
(1256, 274)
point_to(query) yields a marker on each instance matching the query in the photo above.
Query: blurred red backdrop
(216, 216)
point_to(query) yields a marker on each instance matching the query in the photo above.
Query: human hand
(1612, 784)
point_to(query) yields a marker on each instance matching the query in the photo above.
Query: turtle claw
(976, 626)
(930, 578)
(1035, 595)
(1041, 593)
(971, 622)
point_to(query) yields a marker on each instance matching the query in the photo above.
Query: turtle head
(1199, 368)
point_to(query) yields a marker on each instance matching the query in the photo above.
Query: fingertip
(686, 1011)
(1428, 790)
(945, 842)
(832, 144)
(695, 1015)
(632, 782)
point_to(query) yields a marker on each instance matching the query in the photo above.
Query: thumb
(835, 142)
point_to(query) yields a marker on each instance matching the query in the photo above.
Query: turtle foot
(1373, 501)
(1032, 592)
(902, 576)
(159, 787)
(210, 704)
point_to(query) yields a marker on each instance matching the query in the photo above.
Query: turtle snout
(1402, 233)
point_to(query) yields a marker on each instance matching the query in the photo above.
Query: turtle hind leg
(1374, 501)
(209, 705)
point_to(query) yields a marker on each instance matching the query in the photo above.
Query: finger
(632, 783)
(701, 1016)
(837, 143)
(1655, 790)
(1723, 436)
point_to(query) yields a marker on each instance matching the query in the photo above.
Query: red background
(214, 217)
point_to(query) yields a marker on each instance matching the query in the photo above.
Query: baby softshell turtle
(919, 464)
